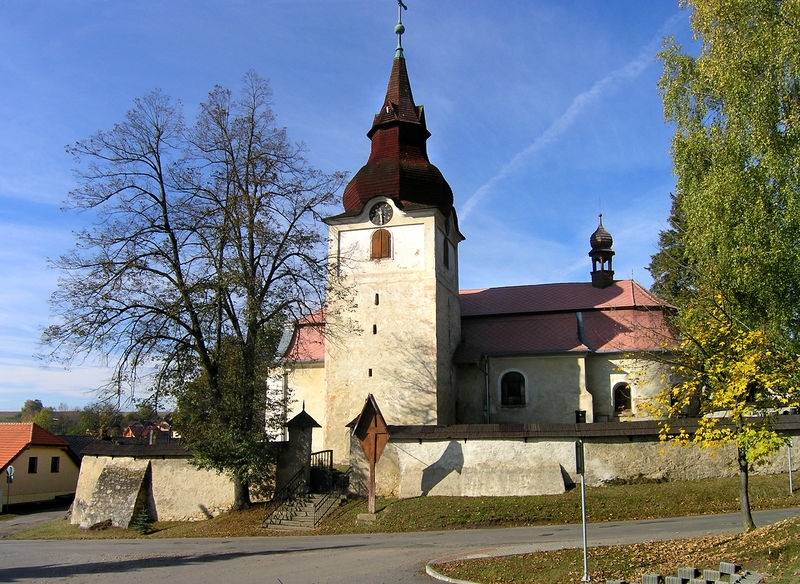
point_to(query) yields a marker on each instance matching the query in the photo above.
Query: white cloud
(580, 103)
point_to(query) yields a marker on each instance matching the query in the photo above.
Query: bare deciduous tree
(206, 241)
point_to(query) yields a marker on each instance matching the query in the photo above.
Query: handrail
(287, 492)
(322, 506)
(322, 459)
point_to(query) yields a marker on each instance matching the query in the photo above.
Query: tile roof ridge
(649, 295)
(509, 286)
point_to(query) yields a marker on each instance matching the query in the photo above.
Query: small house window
(55, 464)
(512, 389)
(33, 464)
(381, 245)
(622, 399)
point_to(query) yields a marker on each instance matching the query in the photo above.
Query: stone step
(297, 514)
(290, 525)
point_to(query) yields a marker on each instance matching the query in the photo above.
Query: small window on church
(377, 299)
(381, 245)
(622, 399)
(446, 256)
(512, 389)
(374, 329)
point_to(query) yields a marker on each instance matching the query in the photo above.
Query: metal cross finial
(399, 28)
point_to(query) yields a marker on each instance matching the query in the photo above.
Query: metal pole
(583, 517)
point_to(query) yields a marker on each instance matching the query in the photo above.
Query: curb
(473, 555)
(441, 577)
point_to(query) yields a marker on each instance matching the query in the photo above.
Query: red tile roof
(308, 342)
(548, 318)
(571, 296)
(603, 330)
(14, 438)
(541, 318)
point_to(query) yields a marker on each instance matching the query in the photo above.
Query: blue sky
(542, 114)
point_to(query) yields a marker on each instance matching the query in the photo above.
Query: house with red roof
(35, 464)
(399, 328)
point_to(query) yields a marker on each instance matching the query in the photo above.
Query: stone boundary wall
(176, 491)
(512, 460)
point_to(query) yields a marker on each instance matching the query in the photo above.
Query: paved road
(364, 559)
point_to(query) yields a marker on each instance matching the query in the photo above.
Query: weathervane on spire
(399, 29)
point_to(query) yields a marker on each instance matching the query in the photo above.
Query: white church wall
(470, 384)
(407, 245)
(555, 388)
(605, 370)
(448, 333)
(306, 385)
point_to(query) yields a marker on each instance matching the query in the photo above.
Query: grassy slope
(773, 550)
(632, 501)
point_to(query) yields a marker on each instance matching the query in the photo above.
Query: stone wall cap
(168, 450)
(784, 423)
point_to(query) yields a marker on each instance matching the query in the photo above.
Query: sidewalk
(31, 518)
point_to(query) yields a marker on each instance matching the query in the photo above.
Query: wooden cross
(373, 434)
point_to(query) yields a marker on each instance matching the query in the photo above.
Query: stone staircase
(303, 512)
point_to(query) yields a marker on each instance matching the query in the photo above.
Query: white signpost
(9, 480)
(580, 468)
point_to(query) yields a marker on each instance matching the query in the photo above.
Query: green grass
(773, 550)
(641, 500)
(611, 503)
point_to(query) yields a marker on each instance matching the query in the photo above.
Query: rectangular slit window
(374, 329)
(377, 299)
(370, 373)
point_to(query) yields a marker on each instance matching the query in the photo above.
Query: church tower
(393, 319)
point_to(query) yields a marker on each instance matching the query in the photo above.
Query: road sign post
(9, 480)
(580, 468)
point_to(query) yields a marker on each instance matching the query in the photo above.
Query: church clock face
(381, 213)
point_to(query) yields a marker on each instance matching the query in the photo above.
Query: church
(397, 326)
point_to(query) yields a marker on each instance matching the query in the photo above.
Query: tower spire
(601, 254)
(399, 29)
(398, 165)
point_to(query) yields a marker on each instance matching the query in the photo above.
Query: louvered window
(381, 245)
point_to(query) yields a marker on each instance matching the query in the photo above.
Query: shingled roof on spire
(398, 165)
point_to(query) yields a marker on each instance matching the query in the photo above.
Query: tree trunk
(744, 494)
(241, 494)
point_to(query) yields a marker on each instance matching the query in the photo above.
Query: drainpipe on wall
(285, 414)
(487, 408)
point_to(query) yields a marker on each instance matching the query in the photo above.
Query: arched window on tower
(381, 245)
(512, 389)
(622, 399)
